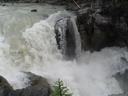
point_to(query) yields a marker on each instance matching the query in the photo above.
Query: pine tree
(60, 89)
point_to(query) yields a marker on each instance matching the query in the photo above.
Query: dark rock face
(5, 87)
(31, 91)
(38, 87)
(92, 37)
(34, 10)
(65, 36)
(123, 80)
(103, 25)
(96, 30)
(37, 80)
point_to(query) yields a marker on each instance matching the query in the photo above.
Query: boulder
(37, 90)
(37, 80)
(38, 86)
(5, 87)
(65, 37)
(4, 4)
(94, 30)
(123, 80)
(34, 10)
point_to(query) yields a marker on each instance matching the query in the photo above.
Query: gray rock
(4, 4)
(38, 87)
(123, 80)
(121, 94)
(37, 90)
(92, 28)
(37, 80)
(65, 37)
(34, 10)
(5, 87)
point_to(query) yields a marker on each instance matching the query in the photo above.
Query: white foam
(91, 75)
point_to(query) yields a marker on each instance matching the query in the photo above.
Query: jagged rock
(38, 87)
(34, 10)
(5, 87)
(65, 36)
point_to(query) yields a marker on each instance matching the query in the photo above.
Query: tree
(60, 89)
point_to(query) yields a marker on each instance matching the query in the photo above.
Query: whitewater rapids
(27, 43)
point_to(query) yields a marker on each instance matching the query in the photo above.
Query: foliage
(60, 89)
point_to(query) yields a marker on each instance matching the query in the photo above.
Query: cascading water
(28, 44)
(61, 29)
(67, 37)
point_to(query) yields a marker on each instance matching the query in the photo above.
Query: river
(28, 43)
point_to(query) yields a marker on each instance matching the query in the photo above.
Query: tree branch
(76, 4)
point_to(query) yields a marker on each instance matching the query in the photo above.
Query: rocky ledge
(38, 86)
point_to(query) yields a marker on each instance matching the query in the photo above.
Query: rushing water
(27, 43)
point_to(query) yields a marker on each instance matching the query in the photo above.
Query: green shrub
(60, 90)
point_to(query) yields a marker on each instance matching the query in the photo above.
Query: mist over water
(27, 43)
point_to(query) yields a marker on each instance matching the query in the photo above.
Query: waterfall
(77, 37)
(29, 44)
(60, 30)
(67, 37)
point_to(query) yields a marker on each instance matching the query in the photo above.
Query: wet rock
(5, 87)
(121, 94)
(31, 1)
(34, 10)
(65, 36)
(60, 2)
(31, 91)
(37, 80)
(123, 80)
(122, 76)
(94, 30)
(103, 25)
(38, 87)
(4, 4)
